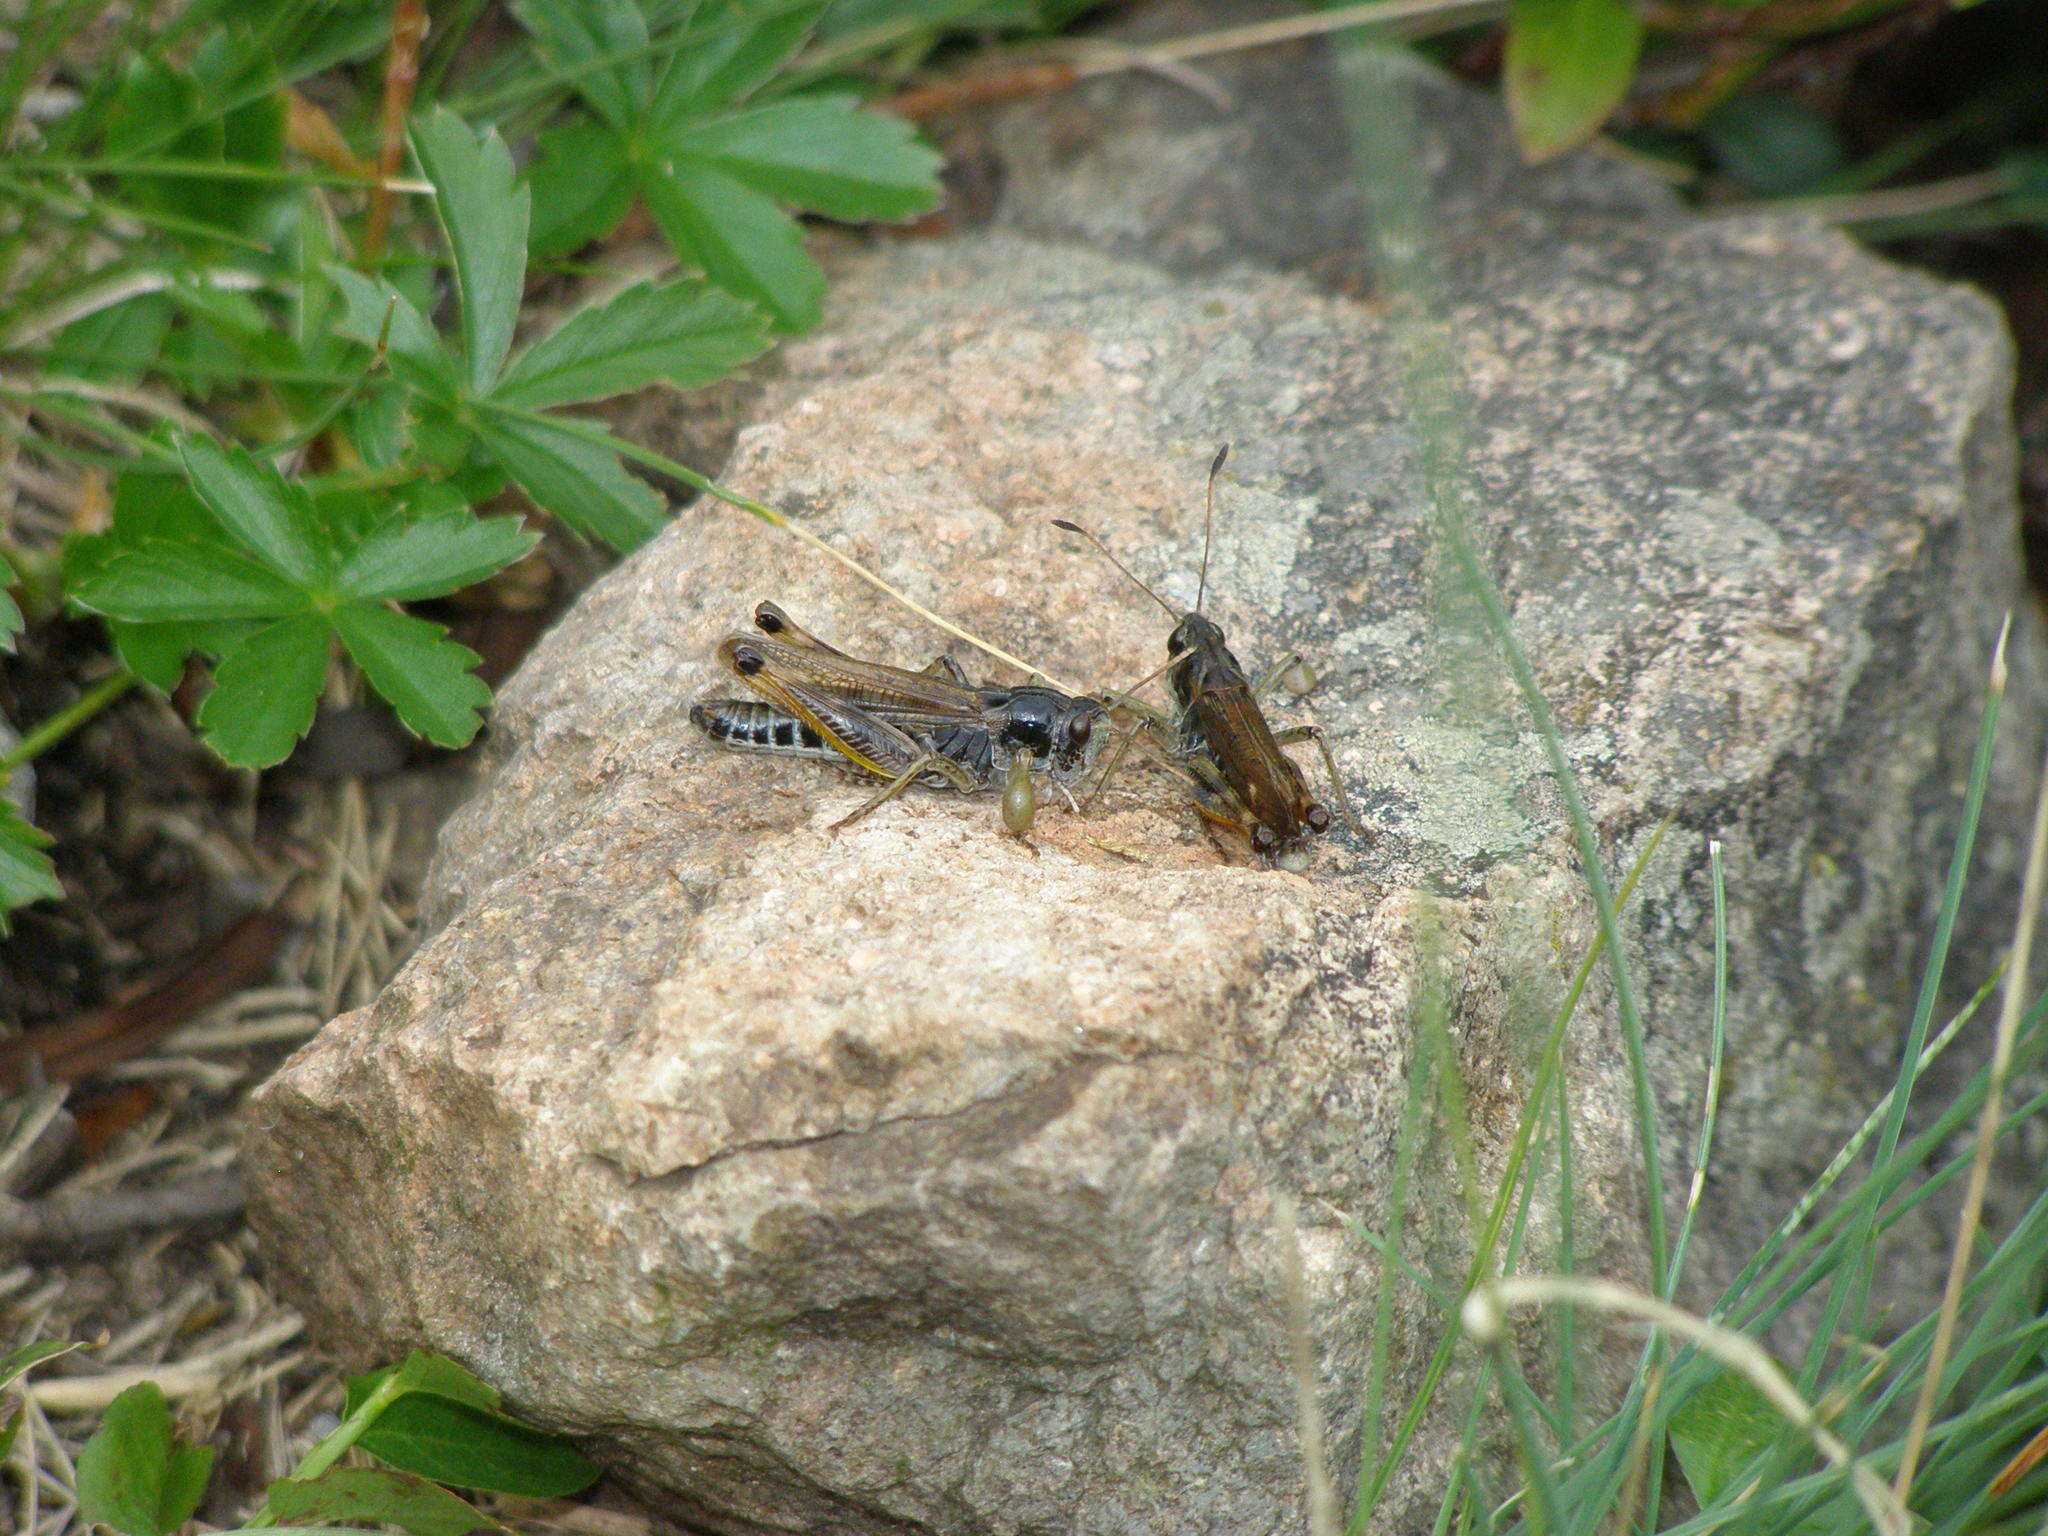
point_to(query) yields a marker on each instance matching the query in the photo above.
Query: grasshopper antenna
(1103, 550)
(1209, 523)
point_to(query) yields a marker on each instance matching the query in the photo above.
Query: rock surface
(910, 1180)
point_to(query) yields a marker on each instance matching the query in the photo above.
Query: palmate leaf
(265, 691)
(685, 333)
(600, 46)
(26, 873)
(132, 1475)
(741, 239)
(483, 214)
(823, 154)
(577, 480)
(427, 677)
(727, 63)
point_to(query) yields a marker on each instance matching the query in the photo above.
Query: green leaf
(272, 517)
(471, 1447)
(421, 1371)
(1774, 146)
(484, 216)
(731, 63)
(1726, 1426)
(265, 691)
(132, 1475)
(26, 873)
(156, 652)
(824, 154)
(374, 1495)
(582, 185)
(574, 35)
(19, 1362)
(373, 309)
(740, 238)
(684, 332)
(157, 582)
(117, 342)
(1568, 64)
(407, 561)
(11, 620)
(580, 482)
(426, 676)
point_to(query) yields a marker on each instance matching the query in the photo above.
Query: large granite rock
(910, 1180)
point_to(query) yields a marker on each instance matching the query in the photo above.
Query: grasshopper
(1218, 736)
(933, 727)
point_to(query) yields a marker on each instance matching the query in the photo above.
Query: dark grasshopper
(933, 727)
(1218, 736)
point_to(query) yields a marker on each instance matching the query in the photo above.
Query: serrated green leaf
(1567, 65)
(270, 516)
(823, 154)
(10, 610)
(582, 186)
(728, 63)
(265, 691)
(686, 333)
(372, 309)
(471, 1447)
(483, 214)
(425, 676)
(438, 554)
(26, 873)
(156, 582)
(744, 243)
(376, 1495)
(599, 45)
(580, 482)
(421, 1371)
(132, 1475)
(156, 652)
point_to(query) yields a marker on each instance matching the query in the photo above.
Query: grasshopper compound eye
(1318, 819)
(746, 660)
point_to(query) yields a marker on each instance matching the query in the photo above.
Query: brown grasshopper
(932, 727)
(1218, 736)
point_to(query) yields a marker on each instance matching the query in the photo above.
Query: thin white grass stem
(1286, 29)
(105, 295)
(1308, 1402)
(182, 1378)
(1716, 1047)
(1484, 1316)
(2012, 1007)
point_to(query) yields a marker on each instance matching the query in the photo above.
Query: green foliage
(290, 581)
(1567, 65)
(1773, 146)
(26, 873)
(132, 1475)
(430, 1421)
(679, 126)
(683, 332)
(376, 1496)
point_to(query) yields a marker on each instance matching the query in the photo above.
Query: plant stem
(65, 721)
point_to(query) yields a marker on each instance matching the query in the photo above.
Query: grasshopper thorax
(1055, 731)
